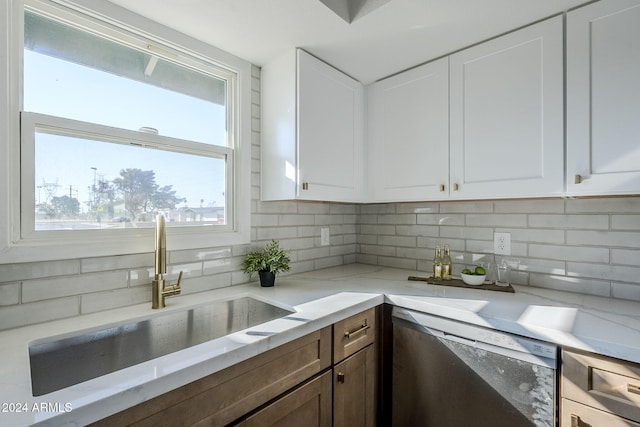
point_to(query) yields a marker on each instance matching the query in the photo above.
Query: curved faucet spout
(159, 289)
(161, 247)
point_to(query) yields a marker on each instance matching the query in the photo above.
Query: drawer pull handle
(441, 187)
(632, 388)
(341, 377)
(360, 330)
(575, 420)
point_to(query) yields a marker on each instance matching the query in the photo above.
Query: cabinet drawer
(576, 415)
(353, 334)
(604, 383)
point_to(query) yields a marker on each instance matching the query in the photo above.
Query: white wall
(589, 246)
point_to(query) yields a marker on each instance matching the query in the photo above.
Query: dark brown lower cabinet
(354, 390)
(226, 396)
(307, 406)
(328, 377)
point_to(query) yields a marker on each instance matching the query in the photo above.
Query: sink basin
(63, 362)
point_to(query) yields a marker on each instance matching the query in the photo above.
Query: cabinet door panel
(309, 405)
(603, 98)
(354, 390)
(507, 115)
(330, 132)
(409, 134)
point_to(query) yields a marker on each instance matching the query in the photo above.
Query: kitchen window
(116, 126)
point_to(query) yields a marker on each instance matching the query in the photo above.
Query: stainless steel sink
(61, 363)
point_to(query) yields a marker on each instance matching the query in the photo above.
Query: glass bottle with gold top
(446, 263)
(437, 263)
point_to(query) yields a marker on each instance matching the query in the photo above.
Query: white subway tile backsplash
(630, 291)
(99, 301)
(625, 256)
(586, 222)
(496, 220)
(569, 253)
(417, 230)
(407, 241)
(44, 289)
(625, 222)
(37, 270)
(604, 271)
(536, 235)
(205, 283)
(38, 312)
(604, 205)
(530, 206)
(406, 219)
(9, 294)
(90, 265)
(466, 207)
(418, 208)
(378, 250)
(604, 238)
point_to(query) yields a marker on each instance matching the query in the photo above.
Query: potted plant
(269, 261)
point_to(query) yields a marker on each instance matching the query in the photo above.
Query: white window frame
(18, 242)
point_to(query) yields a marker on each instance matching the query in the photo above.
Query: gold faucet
(160, 291)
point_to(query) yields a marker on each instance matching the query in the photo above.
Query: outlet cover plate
(502, 243)
(325, 237)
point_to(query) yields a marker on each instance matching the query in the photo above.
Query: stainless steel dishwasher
(451, 374)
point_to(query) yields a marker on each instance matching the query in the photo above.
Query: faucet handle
(179, 279)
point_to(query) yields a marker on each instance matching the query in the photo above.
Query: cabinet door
(507, 132)
(574, 414)
(330, 133)
(309, 405)
(408, 116)
(354, 390)
(603, 98)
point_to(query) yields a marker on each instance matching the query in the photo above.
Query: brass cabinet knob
(305, 185)
(456, 187)
(341, 377)
(577, 179)
(441, 187)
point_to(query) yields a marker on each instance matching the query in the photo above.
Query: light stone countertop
(319, 298)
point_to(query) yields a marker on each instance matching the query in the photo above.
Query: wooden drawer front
(574, 414)
(604, 383)
(229, 394)
(309, 405)
(353, 334)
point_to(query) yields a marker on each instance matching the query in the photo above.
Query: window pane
(74, 74)
(87, 184)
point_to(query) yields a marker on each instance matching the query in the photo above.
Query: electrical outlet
(325, 237)
(502, 243)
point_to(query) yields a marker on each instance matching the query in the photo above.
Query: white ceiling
(396, 35)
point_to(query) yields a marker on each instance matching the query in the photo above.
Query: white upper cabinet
(603, 98)
(312, 131)
(507, 134)
(408, 134)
